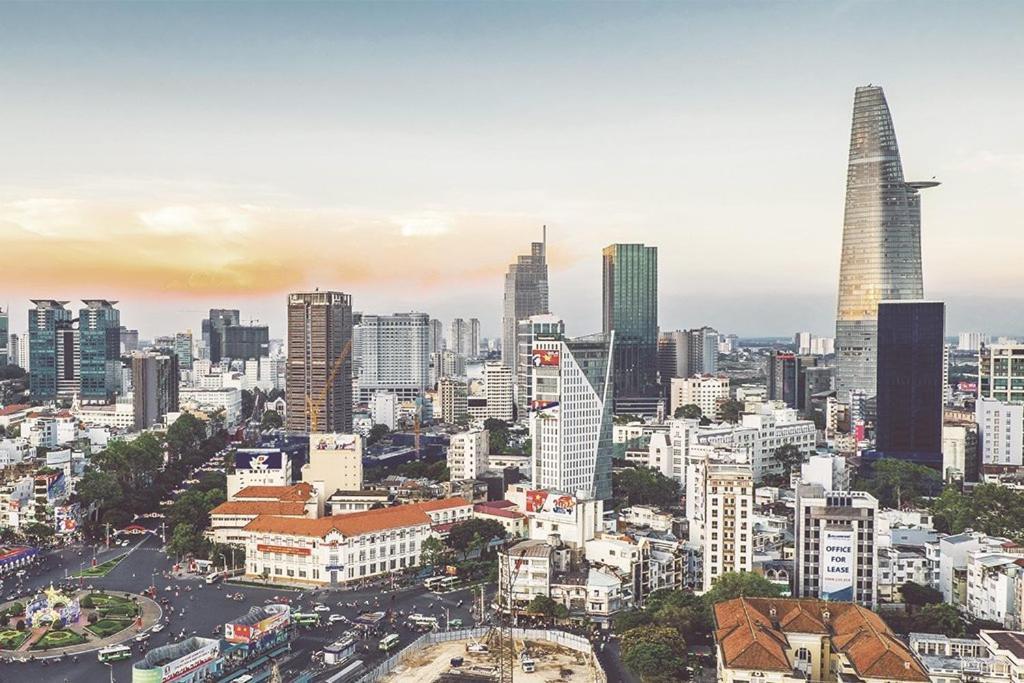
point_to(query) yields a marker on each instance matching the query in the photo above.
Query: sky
(183, 156)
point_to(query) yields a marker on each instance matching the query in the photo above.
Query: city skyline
(641, 145)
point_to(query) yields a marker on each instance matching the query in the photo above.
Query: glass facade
(99, 339)
(909, 424)
(4, 337)
(630, 309)
(881, 253)
(44, 321)
(526, 294)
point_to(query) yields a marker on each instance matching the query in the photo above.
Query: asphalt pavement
(200, 609)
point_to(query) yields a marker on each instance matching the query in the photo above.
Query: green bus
(306, 618)
(388, 642)
(114, 653)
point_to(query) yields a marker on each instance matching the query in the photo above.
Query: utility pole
(107, 527)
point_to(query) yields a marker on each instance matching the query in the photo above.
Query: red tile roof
(752, 637)
(259, 507)
(498, 512)
(442, 504)
(14, 408)
(354, 524)
(296, 492)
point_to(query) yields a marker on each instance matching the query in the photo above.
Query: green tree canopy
(740, 584)
(473, 534)
(655, 653)
(789, 456)
(916, 595)
(497, 435)
(433, 553)
(690, 411)
(993, 509)
(898, 483)
(942, 618)
(271, 420)
(730, 410)
(642, 486)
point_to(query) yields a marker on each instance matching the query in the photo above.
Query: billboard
(237, 633)
(278, 617)
(65, 518)
(258, 459)
(543, 501)
(193, 660)
(333, 442)
(837, 564)
(544, 358)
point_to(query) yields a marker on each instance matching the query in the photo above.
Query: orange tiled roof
(353, 524)
(296, 492)
(442, 503)
(752, 638)
(14, 408)
(259, 507)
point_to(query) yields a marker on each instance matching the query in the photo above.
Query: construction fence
(559, 638)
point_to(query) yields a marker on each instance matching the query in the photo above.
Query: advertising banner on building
(332, 442)
(837, 564)
(192, 661)
(258, 459)
(543, 501)
(544, 358)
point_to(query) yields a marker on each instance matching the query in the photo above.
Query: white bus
(388, 642)
(114, 653)
(433, 583)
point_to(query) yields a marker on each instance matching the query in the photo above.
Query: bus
(433, 583)
(423, 622)
(449, 583)
(388, 642)
(114, 653)
(306, 618)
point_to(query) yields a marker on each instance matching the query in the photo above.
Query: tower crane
(313, 407)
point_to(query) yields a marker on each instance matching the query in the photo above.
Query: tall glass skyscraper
(99, 342)
(630, 308)
(881, 257)
(5, 352)
(526, 294)
(51, 359)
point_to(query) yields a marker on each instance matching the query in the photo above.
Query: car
(335, 618)
(141, 638)
(157, 628)
(320, 607)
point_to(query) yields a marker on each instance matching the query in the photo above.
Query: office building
(394, 355)
(468, 453)
(245, 342)
(835, 536)
(1001, 372)
(571, 415)
(1000, 433)
(705, 392)
(546, 326)
(526, 294)
(129, 340)
(881, 253)
(318, 389)
(335, 463)
(787, 379)
(154, 387)
(213, 331)
(183, 349)
(14, 351)
(5, 331)
(685, 353)
(814, 380)
(630, 309)
(99, 351)
(458, 337)
(51, 348)
(909, 424)
(435, 342)
(384, 409)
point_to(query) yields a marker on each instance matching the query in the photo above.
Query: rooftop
(259, 507)
(297, 492)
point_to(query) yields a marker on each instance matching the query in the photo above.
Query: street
(204, 609)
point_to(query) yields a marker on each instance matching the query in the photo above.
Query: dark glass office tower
(50, 358)
(909, 424)
(213, 330)
(630, 308)
(245, 342)
(99, 342)
(526, 294)
(881, 257)
(5, 353)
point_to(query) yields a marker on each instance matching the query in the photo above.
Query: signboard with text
(837, 564)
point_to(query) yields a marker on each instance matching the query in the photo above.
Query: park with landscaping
(54, 621)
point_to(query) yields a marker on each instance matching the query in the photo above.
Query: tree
(655, 653)
(377, 432)
(271, 420)
(730, 410)
(991, 508)
(687, 613)
(942, 618)
(740, 584)
(626, 621)
(38, 531)
(99, 488)
(788, 455)
(497, 435)
(185, 436)
(896, 483)
(432, 552)
(543, 605)
(473, 534)
(916, 595)
(691, 411)
(642, 486)
(187, 540)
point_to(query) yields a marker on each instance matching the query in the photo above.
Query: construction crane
(313, 407)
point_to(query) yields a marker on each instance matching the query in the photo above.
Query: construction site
(539, 658)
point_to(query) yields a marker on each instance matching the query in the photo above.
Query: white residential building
(384, 409)
(993, 587)
(468, 454)
(498, 388)
(571, 415)
(227, 399)
(830, 471)
(1000, 432)
(394, 355)
(704, 391)
(954, 554)
(451, 394)
(719, 509)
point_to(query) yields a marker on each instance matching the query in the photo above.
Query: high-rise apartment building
(14, 350)
(909, 386)
(498, 385)
(446, 363)
(630, 309)
(154, 387)
(571, 415)
(836, 553)
(99, 353)
(318, 388)
(685, 353)
(474, 338)
(213, 331)
(5, 331)
(881, 254)
(1001, 372)
(436, 339)
(458, 338)
(971, 341)
(723, 508)
(453, 396)
(183, 348)
(129, 340)
(1000, 432)
(51, 348)
(526, 294)
(707, 392)
(394, 355)
(467, 453)
(545, 326)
